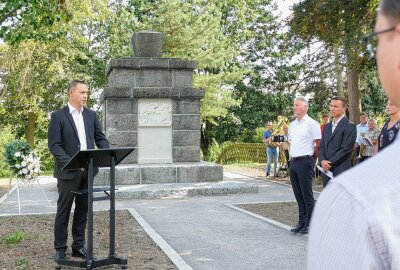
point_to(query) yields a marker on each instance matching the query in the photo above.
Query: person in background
(325, 120)
(337, 143)
(355, 224)
(390, 128)
(304, 138)
(362, 128)
(372, 134)
(272, 151)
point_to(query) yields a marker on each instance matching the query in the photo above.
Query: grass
(14, 238)
(21, 264)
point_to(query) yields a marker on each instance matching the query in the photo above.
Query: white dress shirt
(80, 125)
(302, 135)
(334, 124)
(356, 220)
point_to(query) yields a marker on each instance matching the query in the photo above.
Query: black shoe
(304, 230)
(60, 255)
(82, 253)
(297, 228)
(267, 174)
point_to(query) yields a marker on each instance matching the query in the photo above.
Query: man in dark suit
(71, 129)
(335, 151)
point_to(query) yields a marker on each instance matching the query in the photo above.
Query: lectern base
(91, 264)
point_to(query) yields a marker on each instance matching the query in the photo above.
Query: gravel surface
(35, 250)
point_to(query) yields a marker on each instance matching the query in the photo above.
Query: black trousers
(64, 205)
(287, 158)
(301, 177)
(325, 180)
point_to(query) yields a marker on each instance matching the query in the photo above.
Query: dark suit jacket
(63, 140)
(338, 147)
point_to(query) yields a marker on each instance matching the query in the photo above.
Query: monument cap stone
(147, 43)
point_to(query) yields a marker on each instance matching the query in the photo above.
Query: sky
(284, 7)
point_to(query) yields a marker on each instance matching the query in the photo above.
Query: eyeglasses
(371, 40)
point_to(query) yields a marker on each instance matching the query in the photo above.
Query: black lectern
(89, 159)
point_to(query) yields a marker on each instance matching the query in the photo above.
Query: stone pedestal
(150, 104)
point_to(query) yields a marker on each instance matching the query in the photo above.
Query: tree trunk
(205, 137)
(338, 71)
(30, 134)
(354, 95)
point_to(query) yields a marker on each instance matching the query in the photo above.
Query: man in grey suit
(71, 129)
(336, 149)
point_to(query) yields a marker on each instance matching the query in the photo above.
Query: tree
(374, 98)
(339, 24)
(37, 72)
(321, 94)
(267, 90)
(26, 19)
(256, 108)
(30, 86)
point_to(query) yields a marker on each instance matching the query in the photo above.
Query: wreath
(23, 162)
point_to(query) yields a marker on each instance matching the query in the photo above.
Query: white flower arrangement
(27, 167)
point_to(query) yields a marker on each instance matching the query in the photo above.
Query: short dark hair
(342, 99)
(363, 113)
(73, 84)
(391, 8)
(325, 115)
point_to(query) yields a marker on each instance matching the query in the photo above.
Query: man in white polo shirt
(304, 137)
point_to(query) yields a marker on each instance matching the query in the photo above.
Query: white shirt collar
(304, 118)
(337, 122)
(72, 108)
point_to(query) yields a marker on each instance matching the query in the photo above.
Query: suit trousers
(325, 180)
(64, 205)
(335, 171)
(301, 178)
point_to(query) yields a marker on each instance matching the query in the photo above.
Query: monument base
(181, 190)
(188, 172)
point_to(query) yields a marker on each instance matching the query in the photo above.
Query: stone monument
(150, 104)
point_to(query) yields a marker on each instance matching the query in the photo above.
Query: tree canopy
(249, 62)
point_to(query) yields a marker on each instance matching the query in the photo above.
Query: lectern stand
(89, 159)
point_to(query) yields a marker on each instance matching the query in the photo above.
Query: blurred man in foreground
(356, 222)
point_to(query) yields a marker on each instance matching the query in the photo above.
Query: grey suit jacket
(337, 147)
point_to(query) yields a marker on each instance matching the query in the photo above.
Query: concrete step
(181, 190)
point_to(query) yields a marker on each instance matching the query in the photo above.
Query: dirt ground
(258, 170)
(36, 251)
(284, 212)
